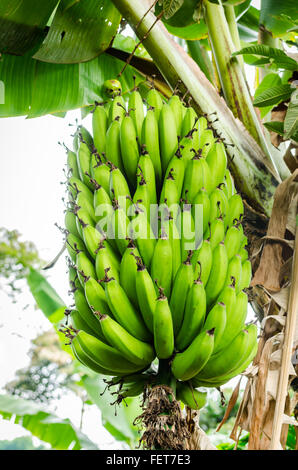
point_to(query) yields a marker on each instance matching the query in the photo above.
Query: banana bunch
(158, 265)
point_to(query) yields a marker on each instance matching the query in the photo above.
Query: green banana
(202, 199)
(128, 272)
(136, 109)
(188, 122)
(194, 315)
(118, 227)
(70, 223)
(217, 232)
(100, 126)
(129, 148)
(235, 320)
(105, 355)
(181, 286)
(96, 297)
(82, 219)
(167, 135)
(219, 205)
(236, 209)
(75, 186)
(217, 274)
(117, 109)
(100, 171)
(217, 319)
(197, 176)
(113, 147)
(146, 168)
(169, 226)
(244, 256)
(189, 232)
(150, 140)
(84, 359)
(87, 314)
(177, 108)
(132, 349)
(119, 189)
(83, 161)
(229, 183)
(217, 161)
(84, 267)
(202, 262)
(146, 294)
(139, 229)
(245, 275)
(72, 166)
(232, 241)
(123, 310)
(206, 141)
(105, 259)
(154, 100)
(234, 271)
(78, 322)
(74, 244)
(161, 264)
(176, 168)
(163, 327)
(188, 363)
(192, 398)
(142, 196)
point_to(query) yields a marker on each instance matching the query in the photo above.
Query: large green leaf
(119, 424)
(270, 80)
(279, 16)
(291, 119)
(80, 31)
(273, 96)
(37, 88)
(191, 33)
(273, 55)
(45, 296)
(22, 23)
(60, 433)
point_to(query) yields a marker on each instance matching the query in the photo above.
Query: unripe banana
(167, 136)
(82, 134)
(96, 297)
(129, 148)
(236, 209)
(74, 244)
(70, 223)
(232, 241)
(83, 202)
(154, 100)
(140, 230)
(99, 126)
(85, 267)
(106, 356)
(87, 314)
(100, 171)
(146, 294)
(202, 262)
(142, 197)
(73, 278)
(226, 360)
(190, 234)
(197, 176)
(240, 358)
(113, 147)
(123, 310)
(177, 108)
(191, 397)
(72, 166)
(229, 183)
(163, 328)
(92, 238)
(234, 271)
(176, 168)
(188, 363)
(194, 315)
(78, 322)
(245, 275)
(136, 108)
(169, 226)
(244, 256)
(75, 186)
(206, 141)
(104, 260)
(83, 161)
(118, 227)
(188, 122)
(216, 232)
(219, 205)
(235, 320)
(134, 350)
(202, 199)
(150, 139)
(218, 273)
(84, 359)
(128, 272)
(117, 109)
(181, 285)
(119, 189)
(82, 218)
(217, 319)
(161, 264)
(217, 161)
(146, 168)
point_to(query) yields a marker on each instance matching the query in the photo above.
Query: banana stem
(254, 175)
(165, 376)
(232, 23)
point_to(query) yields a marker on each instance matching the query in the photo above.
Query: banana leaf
(48, 427)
